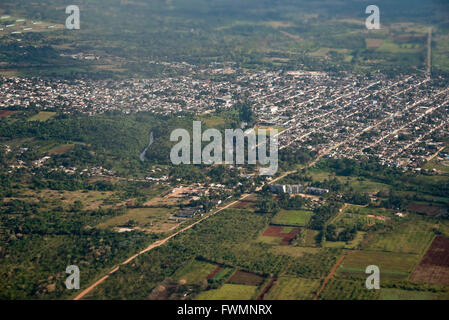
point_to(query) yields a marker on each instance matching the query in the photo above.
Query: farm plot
(430, 210)
(279, 235)
(289, 288)
(42, 116)
(247, 278)
(413, 237)
(229, 292)
(297, 218)
(392, 265)
(338, 289)
(399, 294)
(195, 272)
(6, 113)
(434, 266)
(150, 219)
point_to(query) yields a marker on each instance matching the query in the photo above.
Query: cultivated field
(289, 288)
(279, 235)
(195, 272)
(298, 218)
(434, 266)
(42, 116)
(391, 265)
(411, 237)
(229, 292)
(248, 278)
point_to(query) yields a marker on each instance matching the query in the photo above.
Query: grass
(229, 292)
(144, 217)
(289, 288)
(293, 251)
(298, 218)
(389, 263)
(269, 240)
(399, 294)
(42, 116)
(412, 237)
(339, 289)
(195, 272)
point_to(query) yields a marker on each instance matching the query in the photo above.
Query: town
(397, 121)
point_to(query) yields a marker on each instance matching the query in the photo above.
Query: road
(163, 241)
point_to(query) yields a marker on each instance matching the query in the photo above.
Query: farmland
(289, 288)
(279, 235)
(195, 272)
(391, 265)
(42, 116)
(292, 217)
(229, 292)
(412, 237)
(434, 266)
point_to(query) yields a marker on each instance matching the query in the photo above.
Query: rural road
(159, 243)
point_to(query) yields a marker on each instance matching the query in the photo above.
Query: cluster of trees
(347, 234)
(323, 213)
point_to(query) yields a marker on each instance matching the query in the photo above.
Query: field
(229, 292)
(279, 235)
(288, 288)
(6, 113)
(398, 294)
(61, 149)
(434, 266)
(411, 237)
(297, 218)
(430, 210)
(391, 265)
(339, 289)
(195, 272)
(151, 219)
(42, 116)
(293, 251)
(248, 278)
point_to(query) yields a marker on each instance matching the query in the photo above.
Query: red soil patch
(248, 278)
(275, 231)
(434, 266)
(61, 149)
(266, 289)
(244, 204)
(214, 273)
(425, 209)
(6, 113)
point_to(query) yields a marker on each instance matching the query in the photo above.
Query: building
(286, 188)
(188, 212)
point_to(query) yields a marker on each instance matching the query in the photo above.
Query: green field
(298, 218)
(229, 292)
(42, 116)
(195, 272)
(144, 217)
(396, 265)
(339, 289)
(411, 237)
(288, 288)
(399, 294)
